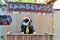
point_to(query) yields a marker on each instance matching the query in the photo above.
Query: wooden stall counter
(29, 37)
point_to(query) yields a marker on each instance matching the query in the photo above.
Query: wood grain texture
(29, 37)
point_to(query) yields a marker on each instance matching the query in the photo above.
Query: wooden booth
(42, 19)
(29, 37)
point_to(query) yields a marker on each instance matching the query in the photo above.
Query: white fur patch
(24, 23)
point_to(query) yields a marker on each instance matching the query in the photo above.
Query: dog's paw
(9, 32)
(34, 33)
(22, 32)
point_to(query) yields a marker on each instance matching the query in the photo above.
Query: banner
(33, 7)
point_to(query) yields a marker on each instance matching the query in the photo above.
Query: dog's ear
(30, 20)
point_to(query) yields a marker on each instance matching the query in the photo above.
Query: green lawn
(1, 39)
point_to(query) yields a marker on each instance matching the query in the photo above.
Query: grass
(1, 39)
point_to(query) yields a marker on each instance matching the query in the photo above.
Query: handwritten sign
(17, 6)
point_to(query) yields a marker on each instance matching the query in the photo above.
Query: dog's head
(27, 21)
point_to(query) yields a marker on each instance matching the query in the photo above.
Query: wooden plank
(29, 37)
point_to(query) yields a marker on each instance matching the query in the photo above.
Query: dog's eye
(26, 20)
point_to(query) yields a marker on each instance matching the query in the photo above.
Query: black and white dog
(27, 24)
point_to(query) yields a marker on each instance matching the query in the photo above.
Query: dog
(26, 27)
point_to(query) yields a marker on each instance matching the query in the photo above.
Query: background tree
(52, 1)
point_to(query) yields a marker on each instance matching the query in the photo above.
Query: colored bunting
(44, 13)
(47, 14)
(22, 12)
(50, 14)
(25, 12)
(39, 13)
(36, 13)
(31, 13)
(14, 12)
(17, 12)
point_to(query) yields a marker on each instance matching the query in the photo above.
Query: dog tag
(27, 30)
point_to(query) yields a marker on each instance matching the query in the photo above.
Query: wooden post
(5, 31)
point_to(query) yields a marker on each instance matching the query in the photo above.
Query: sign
(17, 6)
